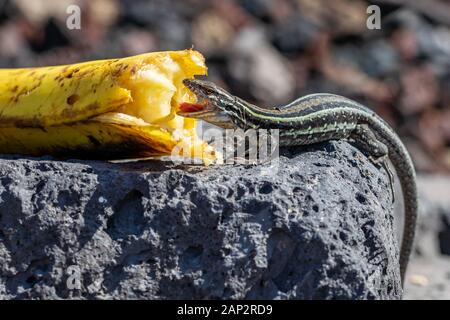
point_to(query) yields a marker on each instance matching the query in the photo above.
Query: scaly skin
(316, 118)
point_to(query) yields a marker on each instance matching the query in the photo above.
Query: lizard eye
(210, 92)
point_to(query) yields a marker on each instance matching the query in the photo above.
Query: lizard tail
(404, 167)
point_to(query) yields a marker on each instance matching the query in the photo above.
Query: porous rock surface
(319, 227)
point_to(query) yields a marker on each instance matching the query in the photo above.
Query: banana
(108, 109)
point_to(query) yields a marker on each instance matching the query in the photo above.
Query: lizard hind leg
(377, 151)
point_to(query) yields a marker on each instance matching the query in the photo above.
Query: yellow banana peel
(109, 109)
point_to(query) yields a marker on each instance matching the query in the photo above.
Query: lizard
(317, 118)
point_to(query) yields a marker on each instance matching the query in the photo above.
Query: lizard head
(214, 104)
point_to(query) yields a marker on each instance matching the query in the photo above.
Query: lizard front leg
(377, 151)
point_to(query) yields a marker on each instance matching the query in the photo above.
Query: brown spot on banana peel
(71, 100)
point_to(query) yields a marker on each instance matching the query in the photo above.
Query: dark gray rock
(319, 228)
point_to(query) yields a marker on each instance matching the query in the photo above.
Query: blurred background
(273, 51)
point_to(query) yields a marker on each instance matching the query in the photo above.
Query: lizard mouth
(195, 110)
(205, 111)
(203, 107)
